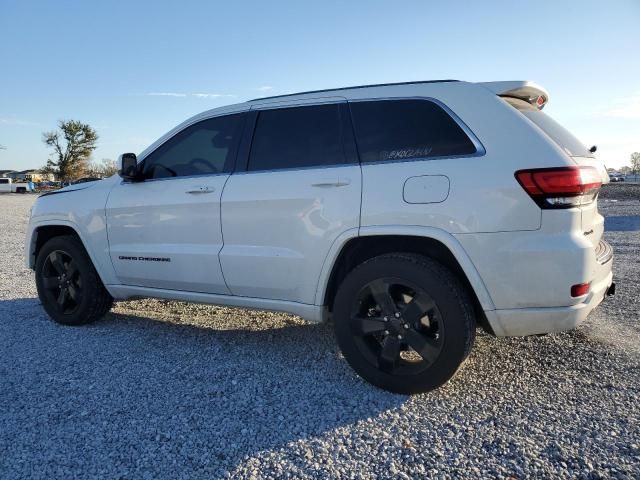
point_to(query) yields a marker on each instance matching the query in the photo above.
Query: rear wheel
(68, 285)
(404, 322)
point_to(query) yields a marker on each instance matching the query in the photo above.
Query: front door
(164, 232)
(299, 192)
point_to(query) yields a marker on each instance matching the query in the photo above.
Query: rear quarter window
(392, 130)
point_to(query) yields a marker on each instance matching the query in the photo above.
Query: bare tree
(105, 168)
(635, 162)
(72, 145)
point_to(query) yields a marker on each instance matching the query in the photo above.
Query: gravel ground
(171, 390)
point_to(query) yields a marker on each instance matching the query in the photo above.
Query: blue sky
(133, 70)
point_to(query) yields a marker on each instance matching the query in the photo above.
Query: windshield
(565, 139)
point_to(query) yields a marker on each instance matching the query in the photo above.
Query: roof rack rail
(351, 88)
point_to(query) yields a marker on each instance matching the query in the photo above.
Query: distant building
(5, 173)
(32, 175)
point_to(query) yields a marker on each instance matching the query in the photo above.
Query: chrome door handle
(197, 190)
(337, 183)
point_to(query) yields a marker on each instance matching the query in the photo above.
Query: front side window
(206, 148)
(389, 130)
(297, 137)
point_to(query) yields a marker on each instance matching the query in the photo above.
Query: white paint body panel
(162, 219)
(270, 239)
(279, 227)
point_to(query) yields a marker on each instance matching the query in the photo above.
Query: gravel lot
(170, 390)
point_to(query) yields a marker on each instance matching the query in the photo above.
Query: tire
(65, 273)
(429, 328)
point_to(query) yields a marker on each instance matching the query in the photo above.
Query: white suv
(407, 213)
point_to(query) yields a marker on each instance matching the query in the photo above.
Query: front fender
(104, 268)
(82, 210)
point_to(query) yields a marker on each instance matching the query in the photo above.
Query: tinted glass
(207, 147)
(388, 130)
(4, 180)
(297, 137)
(563, 137)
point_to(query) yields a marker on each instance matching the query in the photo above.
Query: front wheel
(68, 285)
(404, 322)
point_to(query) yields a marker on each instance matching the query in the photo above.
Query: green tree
(635, 162)
(72, 146)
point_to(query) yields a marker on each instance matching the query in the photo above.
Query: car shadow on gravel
(130, 390)
(139, 397)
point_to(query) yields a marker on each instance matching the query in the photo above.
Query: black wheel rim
(62, 282)
(397, 326)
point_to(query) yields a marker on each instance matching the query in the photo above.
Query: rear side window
(206, 148)
(4, 180)
(297, 137)
(560, 135)
(388, 130)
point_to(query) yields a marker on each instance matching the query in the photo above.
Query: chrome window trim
(293, 103)
(480, 150)
(293, 169)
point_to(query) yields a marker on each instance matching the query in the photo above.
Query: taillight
(562, 187)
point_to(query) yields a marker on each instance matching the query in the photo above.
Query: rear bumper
(533, 321)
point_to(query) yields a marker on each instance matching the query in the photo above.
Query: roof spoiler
(523, 90)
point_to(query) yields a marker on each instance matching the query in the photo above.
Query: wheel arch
(43, 232)
(431, 242)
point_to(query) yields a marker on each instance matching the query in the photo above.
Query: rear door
(299, 191)
(164, 232)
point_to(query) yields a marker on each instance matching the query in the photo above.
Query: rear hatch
(529, 99)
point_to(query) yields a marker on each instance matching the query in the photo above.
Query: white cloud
(182, 95)
(264, 88)
(213, 95)
(626, 108)
(166, 94)
(16, 121)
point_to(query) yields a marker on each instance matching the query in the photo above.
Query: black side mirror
(593, 149)
(128, 167)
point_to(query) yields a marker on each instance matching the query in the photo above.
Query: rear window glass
(388, 130)
(4, 180)
(297, 137)
(560, 135)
